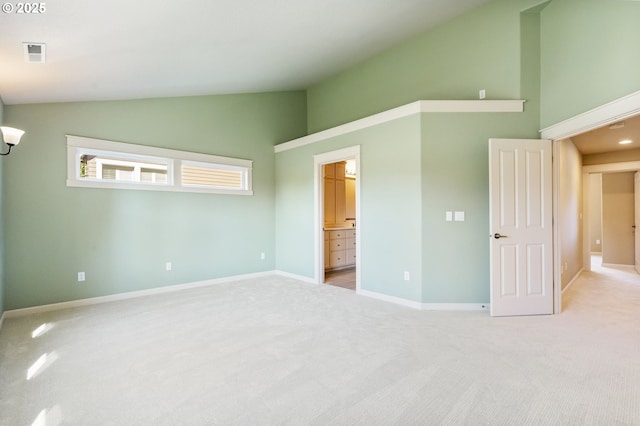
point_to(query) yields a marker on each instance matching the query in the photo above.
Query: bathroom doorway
(337, 183)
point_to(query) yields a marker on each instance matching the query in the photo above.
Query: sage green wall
(590, 55)
(494, 47)
(122, 238)
(477, 50)
(390, 221)
(455, 177)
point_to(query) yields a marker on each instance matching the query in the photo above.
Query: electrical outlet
(168, 266)
(406, 275)
(81, 276)
(262, 255)
(448, 216)
(598, 242)
(482, 93)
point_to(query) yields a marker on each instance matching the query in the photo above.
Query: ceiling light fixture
(11, 137)
(625, 142)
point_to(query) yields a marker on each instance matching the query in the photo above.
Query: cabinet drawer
(350, 243)
(350, 256)
(338, 245)
(351, 233)
(334, 235)
(338, 258)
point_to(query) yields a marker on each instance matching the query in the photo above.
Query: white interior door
(636, 206)
(521, 252)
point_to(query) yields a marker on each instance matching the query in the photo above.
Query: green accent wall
(477, 50)
(413, 170)
(590, 55)
(121, 239)
(390, 208)
(455, 177)
(563, 57)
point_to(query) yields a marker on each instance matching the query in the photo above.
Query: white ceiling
(123, 49)
(605, 139)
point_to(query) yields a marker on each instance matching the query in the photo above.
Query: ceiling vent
(34, 52)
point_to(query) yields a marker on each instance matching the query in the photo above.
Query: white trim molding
(617, 110)
(573, 281)
(296, 277)
(425, 306)
(129, 295)
(405, 111)
(626, 166)
(619, 266)
(456, 306)
(391, 299)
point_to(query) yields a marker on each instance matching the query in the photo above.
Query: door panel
(521, 227)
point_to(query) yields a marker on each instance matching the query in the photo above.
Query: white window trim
(77, 145)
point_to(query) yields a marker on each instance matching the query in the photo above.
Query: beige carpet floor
(275, 351)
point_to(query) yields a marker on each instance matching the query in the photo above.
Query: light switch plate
(459, 216)
(449, 216)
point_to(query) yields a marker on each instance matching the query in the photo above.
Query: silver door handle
(497, 236)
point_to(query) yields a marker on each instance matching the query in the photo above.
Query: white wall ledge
(405, 111)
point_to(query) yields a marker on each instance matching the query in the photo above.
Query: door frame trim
(352, 152)
(609, 113)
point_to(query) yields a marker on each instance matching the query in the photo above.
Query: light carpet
(276, 351)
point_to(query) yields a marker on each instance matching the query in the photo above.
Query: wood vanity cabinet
(339, 248)
(335, 205)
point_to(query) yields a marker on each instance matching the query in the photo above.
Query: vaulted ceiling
(122, 49)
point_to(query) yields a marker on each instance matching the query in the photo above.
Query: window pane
(113, 172)
(212, 176)
(96, 163)
(153, 176)
(122, 169)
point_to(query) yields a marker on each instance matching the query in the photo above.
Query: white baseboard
(573, 280)
(178, 287)
(618, 266)
(129, 295)
(425, 306)
(455, 306)
(392, 299)
(295, 277)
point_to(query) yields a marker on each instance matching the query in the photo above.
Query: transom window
(96, 163)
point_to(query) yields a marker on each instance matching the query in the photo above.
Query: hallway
(605, 291)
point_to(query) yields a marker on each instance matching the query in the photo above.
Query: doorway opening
(337, 230)
(605, 117)
(339, 223)
(610, 233)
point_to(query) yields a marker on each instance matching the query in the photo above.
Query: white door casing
(521, 226)
(636, 207)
